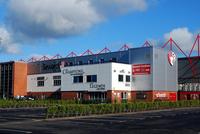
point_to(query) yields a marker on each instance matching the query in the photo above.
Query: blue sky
(155, 22)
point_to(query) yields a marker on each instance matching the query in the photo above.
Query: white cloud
(117, 7)
(63, 18)
(51, 18)
(33, 20)
(39, 56)
(182, 36)
(6, 43)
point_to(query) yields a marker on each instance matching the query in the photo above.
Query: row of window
(90, 62)
(93, 78)
(101, 95)
(121, 78)
(56, 81)
(89, 78)
(4, 68)
(189, 87)
(78, 79)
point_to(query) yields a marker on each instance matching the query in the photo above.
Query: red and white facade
(106, 85)
(144, 74)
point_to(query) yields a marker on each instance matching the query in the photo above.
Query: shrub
(61, 108)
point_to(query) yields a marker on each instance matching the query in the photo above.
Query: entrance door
(188, 97)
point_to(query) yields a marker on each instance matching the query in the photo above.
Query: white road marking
(15, 130)
(140, 118)
(156, 116)
(100, 120)
(123, 118)
(91, 123)
(19, 122)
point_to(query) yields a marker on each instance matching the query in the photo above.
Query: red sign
(167, 96)
(172, 96)
(141, 69)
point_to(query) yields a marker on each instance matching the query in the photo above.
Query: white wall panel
(105, 77)
(121, 69)
(48, 83)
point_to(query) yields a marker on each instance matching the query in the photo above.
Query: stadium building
(189, 78)
(144, 73)
(189, 73)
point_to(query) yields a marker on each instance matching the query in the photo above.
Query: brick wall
(153, 95)
(69, 95)
(19, 79)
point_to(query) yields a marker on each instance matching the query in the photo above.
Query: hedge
(12, 103)
(34, 103)
(66, 108)
(69, 110)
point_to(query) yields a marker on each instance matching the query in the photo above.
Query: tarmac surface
(27, 121)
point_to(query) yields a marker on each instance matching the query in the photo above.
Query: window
(128, 78)
(90, 62)
(101, 60)
(113, 59)
(124, 95)
(80, 95)
(9, 67)
(91, 78)
(80, 63)
(141, 95)
(120, 78)
(40, 81)
(66, 64)
(99, 96)
(78, 79)
(57, 80)
(71, 64)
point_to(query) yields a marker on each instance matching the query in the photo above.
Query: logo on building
(161, 95)
(73, 72)
(98, 86)
(51, 66)
(171, 58)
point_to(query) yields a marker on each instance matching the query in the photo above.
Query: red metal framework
(72, 54)
(22, 60)
(124, 47)
(172, 43)
(194, 61)
(105, 50)
(44, 58)
(87, 52)
(57, 56)
(32, 59)
(146, 44)
(196, 42)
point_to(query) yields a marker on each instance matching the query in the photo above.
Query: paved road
(184, 121)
